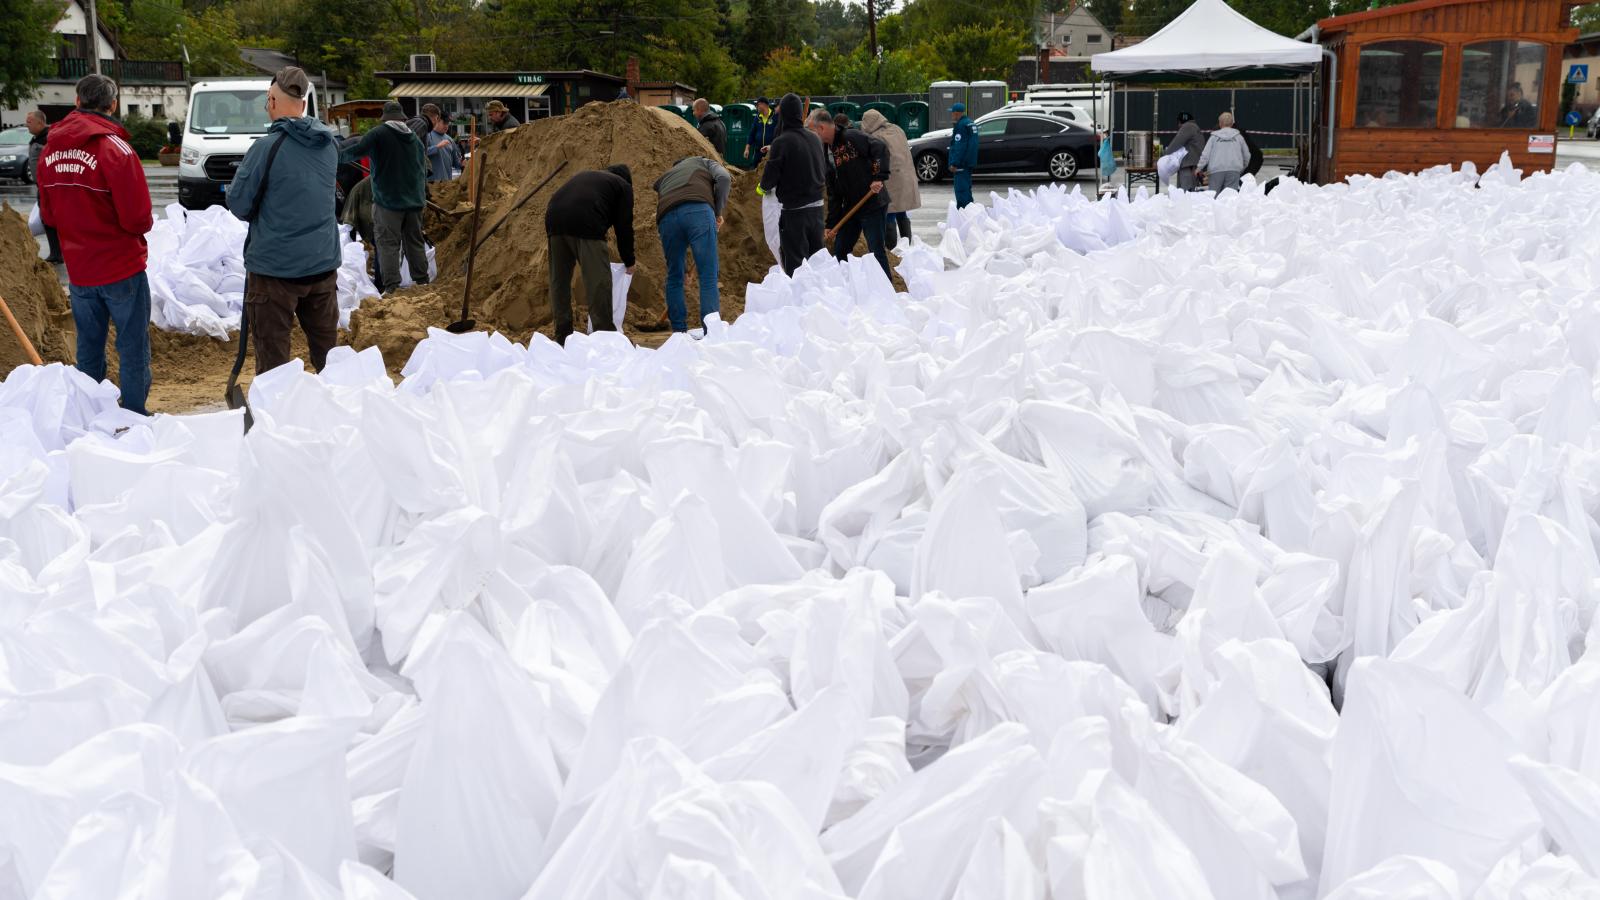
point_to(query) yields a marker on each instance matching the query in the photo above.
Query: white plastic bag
(1167, 165)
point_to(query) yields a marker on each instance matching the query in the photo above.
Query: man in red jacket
(92, 191)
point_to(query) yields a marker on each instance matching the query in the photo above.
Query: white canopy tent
(1208, 41)
(1211, 41)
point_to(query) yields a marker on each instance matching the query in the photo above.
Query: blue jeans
(126, 304)
(690, 227)
(963, 181)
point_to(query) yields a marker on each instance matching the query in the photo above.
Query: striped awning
(467, 89)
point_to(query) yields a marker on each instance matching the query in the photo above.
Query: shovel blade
(461, 327)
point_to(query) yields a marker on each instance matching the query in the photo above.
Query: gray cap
(292, 80)
(393, 111)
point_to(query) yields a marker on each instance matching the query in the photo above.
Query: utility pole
(94, 40)
(872, 42)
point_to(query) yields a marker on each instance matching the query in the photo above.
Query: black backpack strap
(266, 175)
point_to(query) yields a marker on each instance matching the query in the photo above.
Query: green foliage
(976, 52)
(898, 72)
(1286, 17)
(146, 135)
(26, 42)
(806, 72)
(1109, 12)
(163, 29)
(1586, 18)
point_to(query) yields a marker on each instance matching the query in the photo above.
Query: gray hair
(1225, 120)
(38, 114)
(97, 93)
(820, 117)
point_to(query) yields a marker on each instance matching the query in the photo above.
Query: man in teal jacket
(399, 191)
(291, 256)
(963, 153)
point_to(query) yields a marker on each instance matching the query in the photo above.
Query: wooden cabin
(1441, 82)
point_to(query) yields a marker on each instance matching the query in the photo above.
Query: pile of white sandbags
(1253, 556)
(196, 270)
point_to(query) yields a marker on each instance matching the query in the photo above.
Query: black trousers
(799, 236)
(867, 222)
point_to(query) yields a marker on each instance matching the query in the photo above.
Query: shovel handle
(849, 215)
(22, 336)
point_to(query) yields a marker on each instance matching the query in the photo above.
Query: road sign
(1578, 74)
(1574, 118)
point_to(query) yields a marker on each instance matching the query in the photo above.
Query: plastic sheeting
(197, 272)
(1237, 547)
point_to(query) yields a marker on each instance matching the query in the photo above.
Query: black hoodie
(593, 202)
(795, 160)
(712, 129)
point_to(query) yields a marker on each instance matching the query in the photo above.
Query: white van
(226, 116)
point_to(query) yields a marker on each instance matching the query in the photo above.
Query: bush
(147, 135)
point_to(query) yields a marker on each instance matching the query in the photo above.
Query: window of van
(242, 111)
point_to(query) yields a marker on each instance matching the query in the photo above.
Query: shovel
(22, 336)
(235, 393)
(464, 324)
(828, 235)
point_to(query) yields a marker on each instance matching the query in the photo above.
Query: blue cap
(959, 107)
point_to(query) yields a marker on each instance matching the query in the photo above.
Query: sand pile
(510, 289)
(35, 296)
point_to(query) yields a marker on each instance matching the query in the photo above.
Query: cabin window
(1397, 85)
(1500, 84)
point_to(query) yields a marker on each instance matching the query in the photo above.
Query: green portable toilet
(814, 106)
(677, 109)
(737, 117)
(852, 110)
(886, 109)
(913, 119)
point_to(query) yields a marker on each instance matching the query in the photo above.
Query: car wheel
(1063, 165)
(929, 167)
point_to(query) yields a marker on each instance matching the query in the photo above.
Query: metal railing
(124, 71)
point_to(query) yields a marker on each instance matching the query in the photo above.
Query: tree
(840, 26)
(805, 71)
(26, 43)
(1109, 12)
(1586, 18)
(975, 52)
(899, 72)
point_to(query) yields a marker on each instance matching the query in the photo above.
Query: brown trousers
(594, 260)
(274, 303)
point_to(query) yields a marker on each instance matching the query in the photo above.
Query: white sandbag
(1404, 740)
(481, 785)
(771, 209)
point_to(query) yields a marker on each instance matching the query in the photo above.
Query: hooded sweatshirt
(295, 233)
(1225, 152)
(712, 129)
(399, 167)
(92, 191)
(903, 193)
(796, 161)
(593, 202)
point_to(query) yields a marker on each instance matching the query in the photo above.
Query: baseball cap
(959, 107)
(764, 100)
(292, 80)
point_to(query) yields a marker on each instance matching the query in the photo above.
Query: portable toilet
(888, 110)
(736, 117)
(679, 110)
(943, 94)
(912, 117)
(813, 108)
(852, 110)
(984, 97)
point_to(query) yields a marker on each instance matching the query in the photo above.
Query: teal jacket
(399, 167)
(964, 145)
(295, 233)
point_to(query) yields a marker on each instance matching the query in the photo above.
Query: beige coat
(903, 193)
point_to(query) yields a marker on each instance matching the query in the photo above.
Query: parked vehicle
(1014, 140)
(226, 116)
(14, 153)
(1075, 114)
(1593, 128)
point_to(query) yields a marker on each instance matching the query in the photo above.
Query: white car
(226, 116)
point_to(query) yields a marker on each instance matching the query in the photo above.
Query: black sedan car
(1021, 141)
(14, 153)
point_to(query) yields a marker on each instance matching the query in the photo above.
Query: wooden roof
(1345, 22)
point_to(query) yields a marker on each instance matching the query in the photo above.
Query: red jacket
(92, 191)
